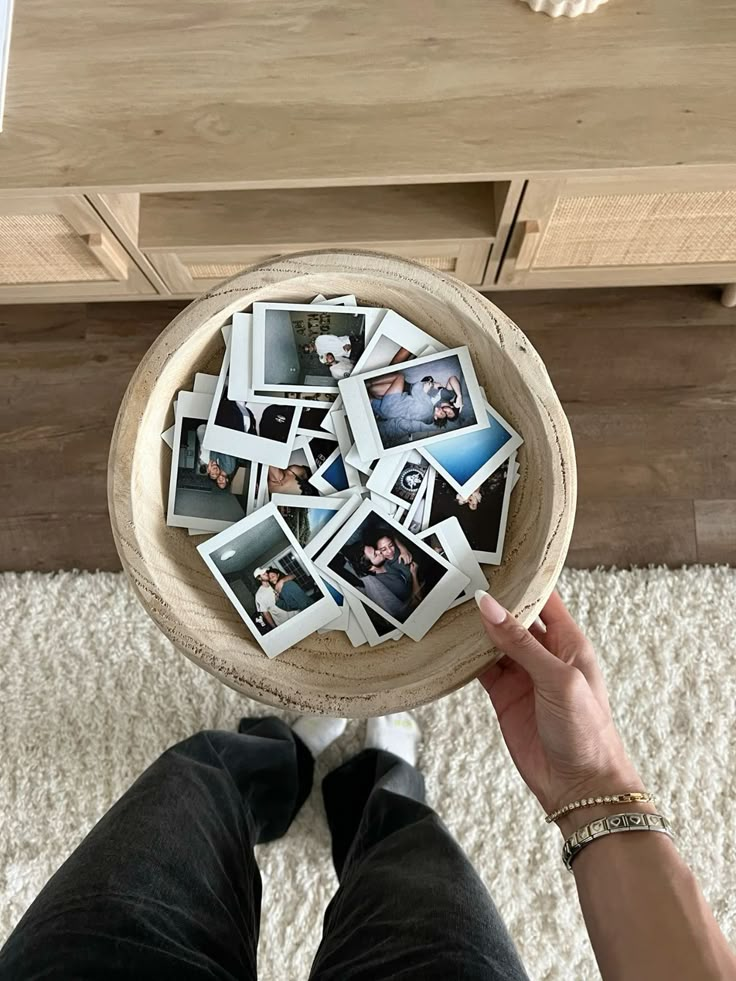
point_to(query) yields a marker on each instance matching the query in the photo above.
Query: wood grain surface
(324, 674)
(178, 94)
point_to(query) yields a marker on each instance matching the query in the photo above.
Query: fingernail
(489, 607)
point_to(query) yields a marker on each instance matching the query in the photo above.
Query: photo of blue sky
(318, 518)
(464, 455)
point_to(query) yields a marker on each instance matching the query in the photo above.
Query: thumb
(509, 637)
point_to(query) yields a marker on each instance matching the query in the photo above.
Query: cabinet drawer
(194, 240)
(191, 271)
(58, 247)
(627, 231)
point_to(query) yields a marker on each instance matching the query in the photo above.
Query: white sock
(399, 734)
(318, 731)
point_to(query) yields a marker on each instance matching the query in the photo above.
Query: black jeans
(166, 885)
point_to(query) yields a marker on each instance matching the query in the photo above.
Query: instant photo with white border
(372, 317)
(367, 625)
(196, 406)
(345, 442)
(341, 506)
(361, 417)
(292, 631)
(248, 446)
(400, 333)
(240, 377)
(457, 548)
(443, 593)
(353, 630)
(319, 480)
(354, 460)
(489, 448)
(388, 470)
(489, 556)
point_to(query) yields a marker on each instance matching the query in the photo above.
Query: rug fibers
(91, 693)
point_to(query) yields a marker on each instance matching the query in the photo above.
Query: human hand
(551, 702)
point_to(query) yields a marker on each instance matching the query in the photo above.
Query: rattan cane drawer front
(57, 247)
(675, 228)
(44, 248)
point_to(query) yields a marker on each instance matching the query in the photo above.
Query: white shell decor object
(564, 8)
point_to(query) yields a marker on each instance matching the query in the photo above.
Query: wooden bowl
(324, 674)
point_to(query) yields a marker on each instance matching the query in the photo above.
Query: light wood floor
(647, 377)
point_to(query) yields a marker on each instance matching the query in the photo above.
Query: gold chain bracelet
(632, 797)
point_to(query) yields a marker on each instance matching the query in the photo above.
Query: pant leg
(166, 886)
(410, 906)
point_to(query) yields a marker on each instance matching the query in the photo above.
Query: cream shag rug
(92, 693)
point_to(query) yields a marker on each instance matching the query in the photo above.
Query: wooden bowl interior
(325, 674)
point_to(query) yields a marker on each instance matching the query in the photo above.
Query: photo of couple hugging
(279, 597)
(410, 404)
(386, 568)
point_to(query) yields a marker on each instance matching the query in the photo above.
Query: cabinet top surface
(270, 93)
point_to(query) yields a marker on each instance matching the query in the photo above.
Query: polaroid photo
(395, 340)
(261, 492)
(382, 504)
(318, 449)
(269, 580)
(240, 343)
(353, 459)
(331, 477)
(168, 434)
(345, 442)
(413, 516)
(205, 384)
(307, 347)
(374, 558)
(448, 539)
(422, 402)
(240, 378)
(468, 459)
(341, 620)
(264, 433)
(314, 520)
(310, 423)
(375, 628)
(295, 478)
(337, 301)
(483, 514)
(355, 634)
(208, 490)
(400, 479)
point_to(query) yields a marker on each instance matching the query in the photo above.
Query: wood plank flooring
(647, 377)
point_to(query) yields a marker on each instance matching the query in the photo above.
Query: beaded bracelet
(632, 797)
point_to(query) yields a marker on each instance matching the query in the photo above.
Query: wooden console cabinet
(156, 149)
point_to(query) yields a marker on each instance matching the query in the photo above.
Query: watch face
(411, 479)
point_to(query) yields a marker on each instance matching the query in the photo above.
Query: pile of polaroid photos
(348, 470)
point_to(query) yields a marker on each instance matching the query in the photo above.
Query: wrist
(621, 779)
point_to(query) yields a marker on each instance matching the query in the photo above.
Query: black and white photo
(208, 490)
(269, 580)
(414, 404)
(393, 572)
(482, 514)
